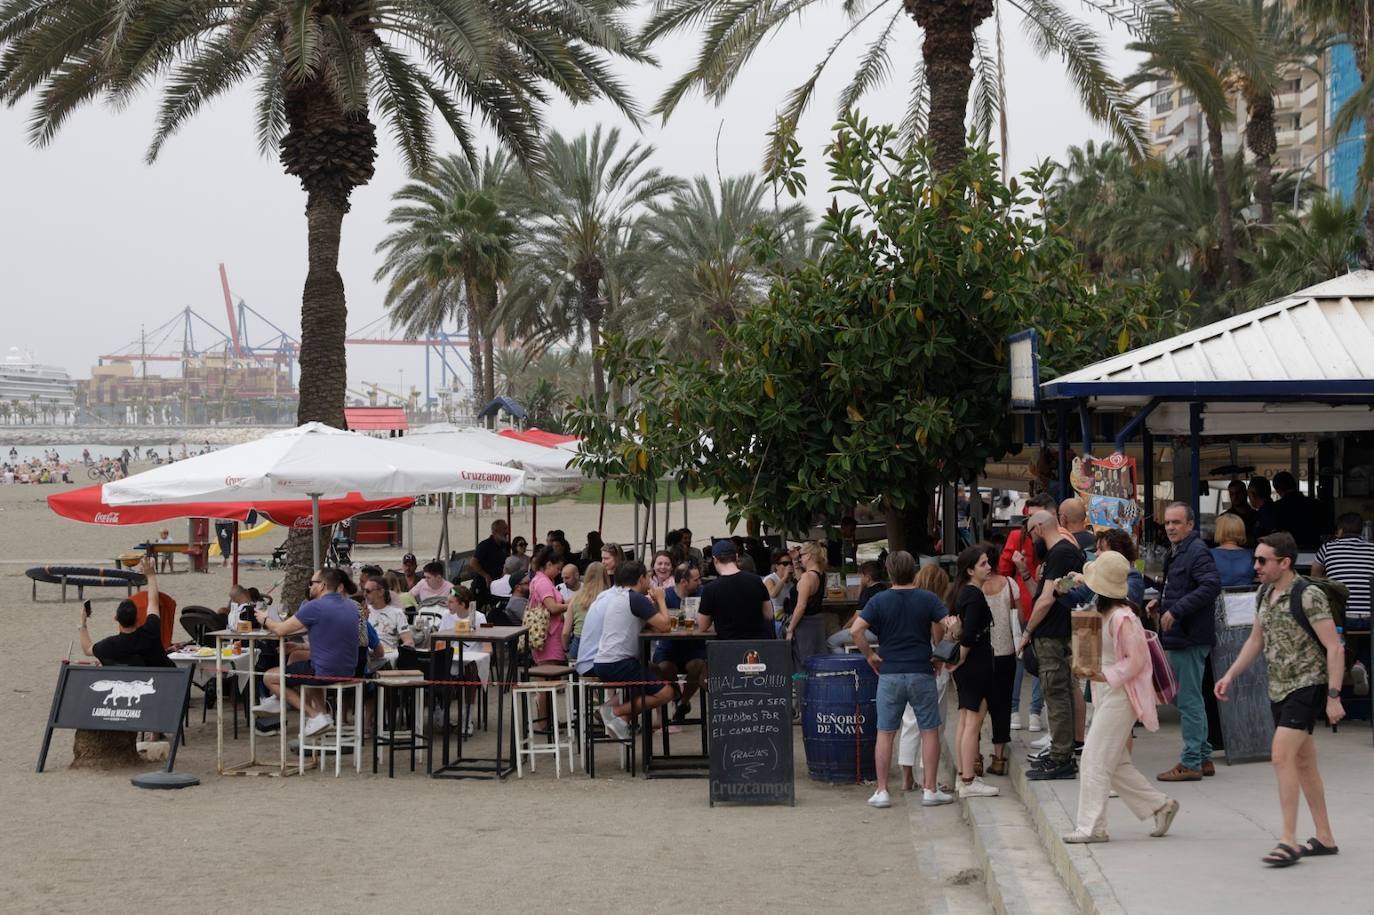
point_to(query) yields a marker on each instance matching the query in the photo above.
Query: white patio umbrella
(317, 461)
(546, 469)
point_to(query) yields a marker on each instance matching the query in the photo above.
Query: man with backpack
(1295, 627)
(1187, 629)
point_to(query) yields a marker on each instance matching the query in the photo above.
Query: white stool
(341, 735)
(523, 722)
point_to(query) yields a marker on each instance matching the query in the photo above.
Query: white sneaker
(1164, 818)
(978, 788)
(1034, 723)
(317, 723)
(1042, 742)
(614, 723)
(880, 799)
(935, 798)
(1016, 721)
(1084, 838)
(269, 706)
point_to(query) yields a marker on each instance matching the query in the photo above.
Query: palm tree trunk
(481, 395)
(593, 312)
(488, 345)
(1260, 138)
(947, 51)
(1224, 227)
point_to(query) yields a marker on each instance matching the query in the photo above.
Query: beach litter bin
(839, 718)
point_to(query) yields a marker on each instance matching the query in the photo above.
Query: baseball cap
(518, 578)
(408, 557)
(723, 549)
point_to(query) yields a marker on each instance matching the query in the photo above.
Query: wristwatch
(1333, 694)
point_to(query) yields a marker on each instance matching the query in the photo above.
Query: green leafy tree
(323, 73)
(1302, 251)
(877, 372)
(451, 248)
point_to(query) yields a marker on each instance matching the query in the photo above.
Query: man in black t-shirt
(737, 602)
(1049, 626)
(489, 558)
(133, 646)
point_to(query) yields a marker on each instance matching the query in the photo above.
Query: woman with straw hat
(1123, 693)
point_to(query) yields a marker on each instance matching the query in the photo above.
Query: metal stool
(561, 673)
(342, 734)
(522, 720)
(391, 706)
(589, 725)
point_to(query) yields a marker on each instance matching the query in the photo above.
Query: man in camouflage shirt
(1304, 673)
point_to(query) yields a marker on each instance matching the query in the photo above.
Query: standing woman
(1001, 594)
(1123, 693)
(806, 626)
(973, 672)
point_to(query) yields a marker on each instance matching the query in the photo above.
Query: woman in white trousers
(1123, 693)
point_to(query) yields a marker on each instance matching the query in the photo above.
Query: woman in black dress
(974, 672)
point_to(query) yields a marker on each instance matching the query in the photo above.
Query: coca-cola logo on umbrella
(233, 482)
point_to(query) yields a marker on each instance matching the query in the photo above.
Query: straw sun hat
(1106, 575)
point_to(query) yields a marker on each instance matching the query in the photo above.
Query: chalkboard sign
(750, 722)
(1247, 725)
(94, 698)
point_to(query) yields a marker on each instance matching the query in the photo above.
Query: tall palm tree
(451, 249)
(955, 59)
(582, 211)
(1199, 55)
(1354, 20)
(323, 71)
(703, 273)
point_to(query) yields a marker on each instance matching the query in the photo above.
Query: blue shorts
(574, 643)
(679, 652)
(629, 671)
(897, 691)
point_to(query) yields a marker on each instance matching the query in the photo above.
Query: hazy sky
(96, 243)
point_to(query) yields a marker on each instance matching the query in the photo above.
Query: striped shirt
(1350, 561)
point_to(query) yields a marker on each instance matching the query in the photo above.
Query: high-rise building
(1344, 152)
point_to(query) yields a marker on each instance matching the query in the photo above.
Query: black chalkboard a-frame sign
(750, 722)
(95, 698)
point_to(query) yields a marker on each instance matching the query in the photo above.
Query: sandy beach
(83, 841)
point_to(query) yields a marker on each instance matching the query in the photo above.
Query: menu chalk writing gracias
(750, 722)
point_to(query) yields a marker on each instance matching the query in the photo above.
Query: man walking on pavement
(1187, 631)
(1295, 629)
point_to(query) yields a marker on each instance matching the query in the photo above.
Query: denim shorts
(897, 691)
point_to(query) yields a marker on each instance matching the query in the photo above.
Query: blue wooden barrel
(839, 718)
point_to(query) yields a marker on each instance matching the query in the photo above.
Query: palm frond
(875, 67)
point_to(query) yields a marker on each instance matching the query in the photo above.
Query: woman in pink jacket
(1123, 693)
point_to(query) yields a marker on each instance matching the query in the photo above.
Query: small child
(460, 609)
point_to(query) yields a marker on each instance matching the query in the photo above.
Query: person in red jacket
(1019, 564)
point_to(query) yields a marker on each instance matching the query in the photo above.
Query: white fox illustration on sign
(131, 691)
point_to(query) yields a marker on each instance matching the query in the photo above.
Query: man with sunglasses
(331, 621)
(385, 616)
(1306, 666)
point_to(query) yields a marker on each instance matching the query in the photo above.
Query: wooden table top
(677, 634)
(488, 634)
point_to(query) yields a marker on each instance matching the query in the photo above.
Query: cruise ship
(22, 379)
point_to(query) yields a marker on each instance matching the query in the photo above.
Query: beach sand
(86, 841)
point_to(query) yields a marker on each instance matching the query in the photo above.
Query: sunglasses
(785, 562)
(371, 590)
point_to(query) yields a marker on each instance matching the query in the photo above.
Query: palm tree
(1354, 19)
(1197, 55)
(954, 60)
(452, 246)
(321, 69)
(582, 213)
(703, 273)
(1304, 250)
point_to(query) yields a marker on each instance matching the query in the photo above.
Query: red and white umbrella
(86, 505)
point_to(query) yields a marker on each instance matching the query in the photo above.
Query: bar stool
(564, 675)
(400, 699)
(591, 695)
(341, 735)
(522, 720)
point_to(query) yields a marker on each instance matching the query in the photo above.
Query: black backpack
(1337, 596)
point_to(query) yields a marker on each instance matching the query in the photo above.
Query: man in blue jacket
(1187, 631)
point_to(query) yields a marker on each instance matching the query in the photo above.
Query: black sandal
(1314, 848)
(1283, 856)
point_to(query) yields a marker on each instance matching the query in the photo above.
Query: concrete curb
(1078, 870)
(1001, 843)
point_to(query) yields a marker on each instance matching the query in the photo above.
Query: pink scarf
(1132, 670)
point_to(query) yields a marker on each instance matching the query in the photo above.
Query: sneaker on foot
(1016, 721)
(1041, 743)
(1164, 817)
(1034, 723)
(880, 799)
(317, 723)
(1063, 770)
(683, 710)
(936, 798)
(978, 788)
(269, 706)
(1084, 838)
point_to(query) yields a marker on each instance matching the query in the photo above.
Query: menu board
(750, 722)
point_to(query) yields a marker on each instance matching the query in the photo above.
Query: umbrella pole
(315, 530)
(235, 579)
(534, 520)
(476, 519)
(601, 516)
(684, 507)
(507, 514)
